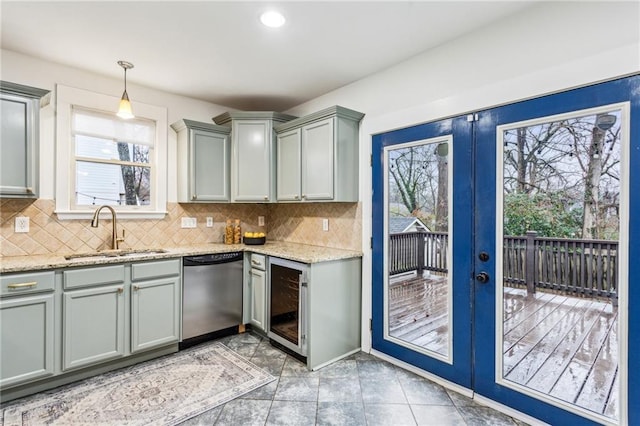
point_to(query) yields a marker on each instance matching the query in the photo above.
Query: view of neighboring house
(399, 225)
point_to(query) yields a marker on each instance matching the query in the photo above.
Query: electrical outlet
(325, 224)
(209, 222)
(260, 220)
(188, 222)
(22, 224)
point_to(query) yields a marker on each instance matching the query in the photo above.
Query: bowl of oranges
(254, 238)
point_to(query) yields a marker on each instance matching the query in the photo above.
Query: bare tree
(418, 178)
(572, 161)
(127, 175)
(135, 176)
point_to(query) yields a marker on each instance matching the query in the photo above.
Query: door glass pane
(418, 296)
(561, 204)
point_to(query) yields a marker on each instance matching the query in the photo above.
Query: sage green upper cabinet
(204, 155)
(288, 171)
(252, 154)
(318, 156)
(20, 113)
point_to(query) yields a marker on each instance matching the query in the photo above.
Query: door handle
(482, 277)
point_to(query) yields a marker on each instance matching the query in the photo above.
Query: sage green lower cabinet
(334, 298)
(155, 304)
(69, 324)
(258, 289)
(93, 317)
(93, 327)
(26, 338)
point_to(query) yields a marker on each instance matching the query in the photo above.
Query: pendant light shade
(124, 111)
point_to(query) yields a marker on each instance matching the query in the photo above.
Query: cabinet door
(17, 142)
(318, 160)
(155, 313)
(252, 160)
(93, 325)
(26, 339)
(258, 299)
(210, 158)
(288, 166)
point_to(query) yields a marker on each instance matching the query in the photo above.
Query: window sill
(88, 214)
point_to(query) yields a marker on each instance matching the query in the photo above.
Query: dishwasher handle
(212, 259)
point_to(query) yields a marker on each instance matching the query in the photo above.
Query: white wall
(22, 69)
(549, 47)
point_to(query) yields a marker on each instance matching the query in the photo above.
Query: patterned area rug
(165, 391)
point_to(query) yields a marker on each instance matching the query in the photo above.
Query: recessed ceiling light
(272, 19)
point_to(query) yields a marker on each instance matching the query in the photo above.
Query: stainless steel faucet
(114, 222)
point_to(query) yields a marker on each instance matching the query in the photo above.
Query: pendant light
(124, 111)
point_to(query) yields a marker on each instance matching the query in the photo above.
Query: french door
(421, 315)
(504, 255)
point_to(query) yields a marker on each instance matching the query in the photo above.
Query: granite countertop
(298, 252)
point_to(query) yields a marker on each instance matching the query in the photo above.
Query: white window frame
(66, 99)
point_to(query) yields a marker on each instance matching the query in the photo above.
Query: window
(113, 159)
(103, 159)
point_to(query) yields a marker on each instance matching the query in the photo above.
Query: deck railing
(418, 251)
(588, 267)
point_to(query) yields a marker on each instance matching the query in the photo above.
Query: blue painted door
(422, 247)
(573, 369)
(519, 260)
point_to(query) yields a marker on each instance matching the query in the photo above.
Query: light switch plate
(22, 224)
(325, 224)
(260, 220)
(209, 222)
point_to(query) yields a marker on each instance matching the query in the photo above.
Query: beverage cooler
(288, 305)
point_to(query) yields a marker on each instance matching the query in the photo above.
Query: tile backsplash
(300, 223)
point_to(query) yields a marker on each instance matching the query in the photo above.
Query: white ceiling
(220, 52)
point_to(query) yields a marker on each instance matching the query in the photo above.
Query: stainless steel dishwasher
(212, 294)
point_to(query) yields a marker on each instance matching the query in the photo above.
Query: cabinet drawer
(146, 270)
(258, 261)
(88, 277)
(26, 283)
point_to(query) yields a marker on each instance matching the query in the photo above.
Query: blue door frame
(474, 326)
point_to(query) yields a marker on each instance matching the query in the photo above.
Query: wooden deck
(562, 346)
(418, 312)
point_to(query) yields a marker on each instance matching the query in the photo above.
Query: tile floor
(359, 390)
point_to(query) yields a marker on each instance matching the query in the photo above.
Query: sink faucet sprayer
(114, 231)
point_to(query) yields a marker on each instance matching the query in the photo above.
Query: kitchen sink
(109, 254)
(135, 253)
